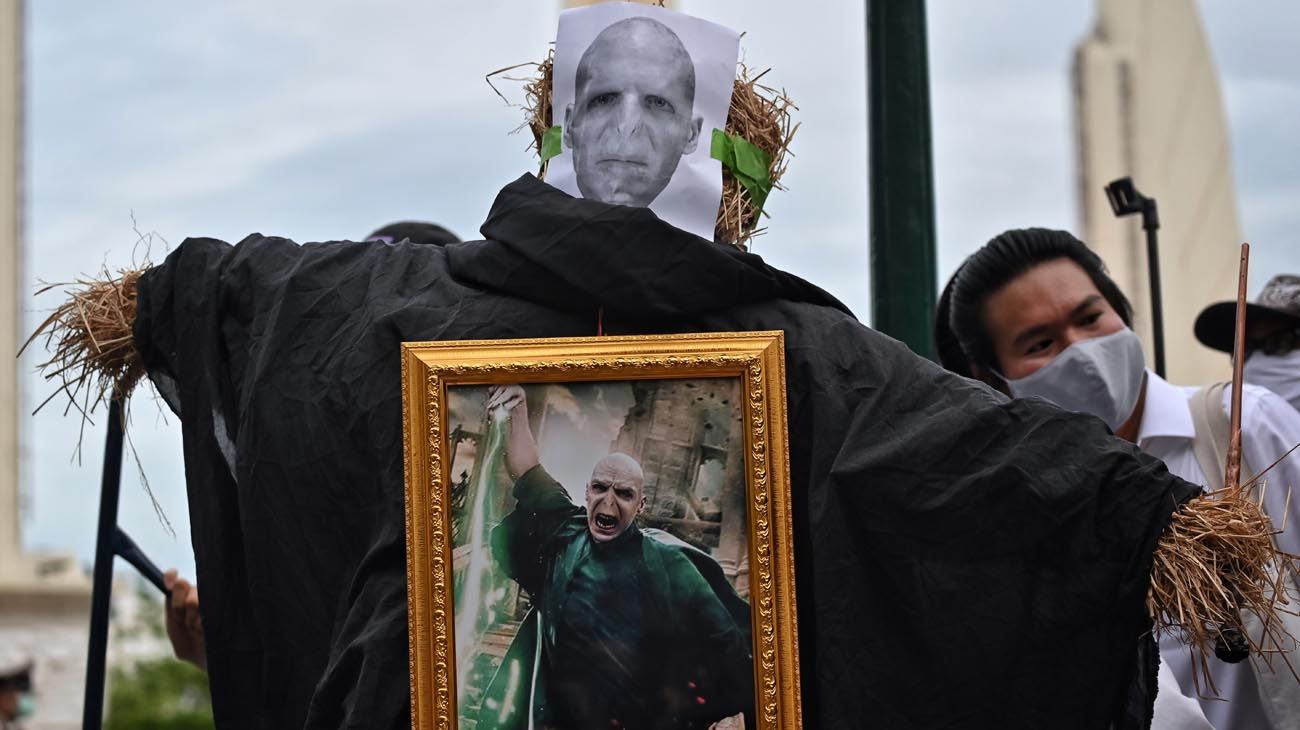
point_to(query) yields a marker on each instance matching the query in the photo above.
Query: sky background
(319, 121)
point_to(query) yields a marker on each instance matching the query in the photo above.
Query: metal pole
(1125, 200)
(92, 717)
(1150, 223)
(901, 184)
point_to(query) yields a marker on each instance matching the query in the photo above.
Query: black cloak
(962, 560)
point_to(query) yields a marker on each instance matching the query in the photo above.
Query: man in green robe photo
(629, 628)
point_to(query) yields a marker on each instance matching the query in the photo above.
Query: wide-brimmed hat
(1280, 299)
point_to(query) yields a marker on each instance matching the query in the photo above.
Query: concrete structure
(1147, 104)
(11, 272)
(44, 599)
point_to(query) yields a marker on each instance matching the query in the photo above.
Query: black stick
(1150, 223)
(1125, 200)
(92, 717)
(125, 548)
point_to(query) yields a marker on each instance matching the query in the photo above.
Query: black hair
(19, 679)
(415, 232)
(961, 339)
(945, 342)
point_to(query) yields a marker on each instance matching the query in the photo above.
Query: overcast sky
(326, 120)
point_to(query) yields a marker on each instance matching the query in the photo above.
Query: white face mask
(1278, 373)
(1101, 376)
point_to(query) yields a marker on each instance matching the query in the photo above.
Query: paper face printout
(639, 90)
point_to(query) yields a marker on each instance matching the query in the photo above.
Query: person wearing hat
(16, 698)
(1272, 335)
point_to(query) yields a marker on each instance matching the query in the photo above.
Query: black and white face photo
(638, 91)
(633, 116)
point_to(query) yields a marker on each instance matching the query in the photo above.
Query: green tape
(720, 148)
(748, 164)
(551, 142)
(750, 160)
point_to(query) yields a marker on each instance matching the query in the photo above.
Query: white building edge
(1148, 105)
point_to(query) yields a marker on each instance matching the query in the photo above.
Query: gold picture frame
(437, 376)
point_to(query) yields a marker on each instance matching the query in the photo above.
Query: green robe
(670, 644)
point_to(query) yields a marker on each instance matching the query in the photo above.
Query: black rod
(125, 548)
(1125, 200)
(92, 717)
(1150, 223)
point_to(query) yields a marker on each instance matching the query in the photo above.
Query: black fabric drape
(962, 560)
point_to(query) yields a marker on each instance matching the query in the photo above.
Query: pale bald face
(632, 118)
(615, 496)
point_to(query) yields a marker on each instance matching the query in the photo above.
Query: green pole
(901, 183)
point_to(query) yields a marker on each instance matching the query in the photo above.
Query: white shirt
(1269, 427)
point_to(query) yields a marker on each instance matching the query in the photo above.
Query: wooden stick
(1232, 475)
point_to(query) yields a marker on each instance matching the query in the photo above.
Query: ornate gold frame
(757, 358)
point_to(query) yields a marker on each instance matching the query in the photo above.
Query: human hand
(184, 625)
(507, 398)
(521, 448)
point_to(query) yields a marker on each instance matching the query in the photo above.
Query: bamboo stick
(1232, 473)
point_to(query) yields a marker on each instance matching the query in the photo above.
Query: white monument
(1147, 105)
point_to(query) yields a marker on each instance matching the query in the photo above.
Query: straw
(91, 343)
(1216, 560)
(90, 339)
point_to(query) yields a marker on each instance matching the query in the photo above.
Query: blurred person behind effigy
(1034, 313)
(1272, 335)
(414, 231)
(17, 699)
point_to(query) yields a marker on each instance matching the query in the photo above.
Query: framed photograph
(598, 533)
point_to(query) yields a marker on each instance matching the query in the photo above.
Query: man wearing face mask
(1033, 313)
(16, 699)
(1272, 335)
